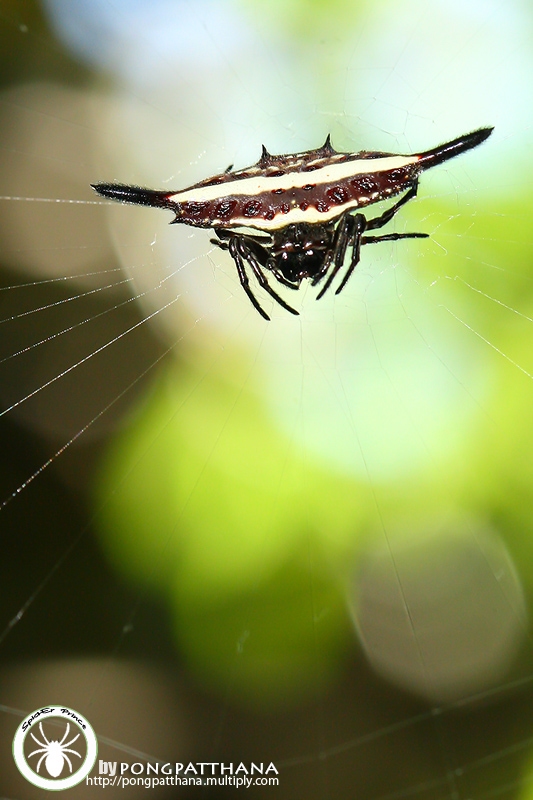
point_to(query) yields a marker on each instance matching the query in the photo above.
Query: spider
(306, 207)
(55, 752)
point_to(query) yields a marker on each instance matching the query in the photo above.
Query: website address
(175, 780)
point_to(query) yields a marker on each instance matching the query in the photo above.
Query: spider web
(361, 618)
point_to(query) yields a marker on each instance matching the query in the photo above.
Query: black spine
(451, 149)
(134, 194)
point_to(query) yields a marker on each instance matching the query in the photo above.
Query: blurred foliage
(302, 20)
(33, 54)
(240, 530)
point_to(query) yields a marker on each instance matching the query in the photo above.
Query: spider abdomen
(271, 200)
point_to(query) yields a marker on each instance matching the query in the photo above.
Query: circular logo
(55, 748)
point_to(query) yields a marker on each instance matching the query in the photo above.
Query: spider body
(307, 208)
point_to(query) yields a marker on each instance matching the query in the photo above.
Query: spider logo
(55, 752)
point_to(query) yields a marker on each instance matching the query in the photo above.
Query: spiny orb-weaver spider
(306, 204)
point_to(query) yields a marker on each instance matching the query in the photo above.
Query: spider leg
(35, 739)
(350, 228)
(243, 277)
(379, 222)
(393, 237)
(222, 245)
(67, 729)
(350, 231)
(68, 750)
(248, 254)
(258, 242)
(356, 251)
(42, 733)
(337, 253)
(390, 237)
(71, 741)
(282, 279)
(42, 750)
(323, 269)
(67, 759)
(249, 249)
(40, 761)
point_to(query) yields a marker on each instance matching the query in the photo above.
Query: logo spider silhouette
(54, 752)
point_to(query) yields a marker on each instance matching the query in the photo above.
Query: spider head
(298, 251)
